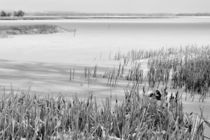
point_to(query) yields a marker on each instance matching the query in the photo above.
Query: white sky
(109, 6)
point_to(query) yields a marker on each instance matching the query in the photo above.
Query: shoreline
(92, 19)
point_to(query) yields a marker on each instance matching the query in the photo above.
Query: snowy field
(92, 41)
(42, 62)
(89, 43)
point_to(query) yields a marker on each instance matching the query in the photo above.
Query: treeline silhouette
(18, 13)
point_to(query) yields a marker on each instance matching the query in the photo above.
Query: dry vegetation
(28, 29)
(25, 116)
(187, 67)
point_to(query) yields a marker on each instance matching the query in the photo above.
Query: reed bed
(186, 67)
(189, 70)
(136, 117)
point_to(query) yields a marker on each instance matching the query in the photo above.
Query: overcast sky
(109, 6)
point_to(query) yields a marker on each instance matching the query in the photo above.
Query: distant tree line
(18, 13)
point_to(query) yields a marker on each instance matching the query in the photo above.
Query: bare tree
(19, 13)
(3, 14)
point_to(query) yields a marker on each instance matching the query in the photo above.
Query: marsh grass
(25, 116)
(184, 67)
(189, 67)
(28, 29)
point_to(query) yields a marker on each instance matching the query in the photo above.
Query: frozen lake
(95, 40)
(42, 61)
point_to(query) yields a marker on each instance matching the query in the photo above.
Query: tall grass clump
(25, 116)
(184, 67)
(189, 69)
